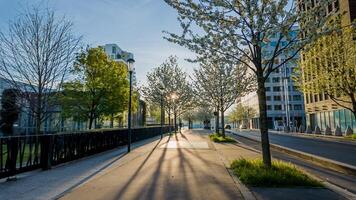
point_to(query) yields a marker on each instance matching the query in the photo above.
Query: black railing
(24, 153)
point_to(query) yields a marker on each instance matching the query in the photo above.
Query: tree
(329, 68)
(169, 82)
(10, 110)
(99, 89)
(220, 83)
(35, 55)
(237, 32)
(241, 113)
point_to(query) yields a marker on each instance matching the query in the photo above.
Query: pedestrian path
(182, 166)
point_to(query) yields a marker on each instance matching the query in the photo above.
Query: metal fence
(24, 153)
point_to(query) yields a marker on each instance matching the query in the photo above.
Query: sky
(135, 25)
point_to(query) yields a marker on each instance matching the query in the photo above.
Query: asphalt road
(344, 181)
(344, 152)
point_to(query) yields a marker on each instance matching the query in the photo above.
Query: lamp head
(130, 64)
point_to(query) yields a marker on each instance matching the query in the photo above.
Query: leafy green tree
(241, 113)
(237, 31)
(99, 89)
(329, 67)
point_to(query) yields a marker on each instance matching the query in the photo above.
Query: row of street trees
(170, 84)
(217, 84)
(236, 32)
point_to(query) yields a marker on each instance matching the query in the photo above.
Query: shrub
(280, 174)
(217, 138)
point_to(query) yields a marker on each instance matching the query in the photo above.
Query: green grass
(217, 138)
(352, 137)
(281, 174)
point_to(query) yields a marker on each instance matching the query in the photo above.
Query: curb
(245, 191)
(320, 161)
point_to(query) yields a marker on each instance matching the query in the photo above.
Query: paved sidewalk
(183, 166)
(38, 184)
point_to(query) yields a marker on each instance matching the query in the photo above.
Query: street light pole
(130, 69)
(162, 117)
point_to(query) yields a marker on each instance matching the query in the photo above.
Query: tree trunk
(91, 119)
(112, 121)
(261, 92)
(217, 121)
(222, 123)
(353, 100)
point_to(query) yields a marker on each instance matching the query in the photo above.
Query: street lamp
(161, 88)
(130, 69)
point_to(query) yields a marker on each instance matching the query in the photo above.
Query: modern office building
(285, 106)
(321, 111)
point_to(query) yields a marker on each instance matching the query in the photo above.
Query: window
(275, 79)
(297, 97)
(268, 98)
(276, 89)
(277, 98)
(113, 50)
(277, 107)
(267, 80)
(298, 107)
(269, 107)
(268, 89)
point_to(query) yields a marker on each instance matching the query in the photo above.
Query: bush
(217, 138)
(281, 174)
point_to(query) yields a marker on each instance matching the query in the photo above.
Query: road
(347, 182)
(344, 152)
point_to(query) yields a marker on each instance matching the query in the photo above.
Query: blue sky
(135, 25)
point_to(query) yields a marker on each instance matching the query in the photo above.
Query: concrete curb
(320, 161)
(245, 191)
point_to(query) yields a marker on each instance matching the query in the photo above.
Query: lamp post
(162, 114)
(130, 69)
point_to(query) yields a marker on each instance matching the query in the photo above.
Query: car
(243, 126)
(227, 126)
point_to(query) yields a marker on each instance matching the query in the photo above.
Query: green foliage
(100, 89)
(329, 67)
(280, 174)
(241, 112)
(217, 138)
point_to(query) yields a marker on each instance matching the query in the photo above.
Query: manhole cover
(185, 145)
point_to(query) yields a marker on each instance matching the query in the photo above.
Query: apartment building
(285, 104)
(323, 113)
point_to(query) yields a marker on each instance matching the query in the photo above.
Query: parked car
(227, 126)
(243, 126)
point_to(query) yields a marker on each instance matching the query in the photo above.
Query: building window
(298, 107)
(297, 97)
(277, 107)
(275, 80)
(267, 80)
(276, 98)
(268, 98)
(269, 107)
(276, 89)
(113, 50)
(268, 89)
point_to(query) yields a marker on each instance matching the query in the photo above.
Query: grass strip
(217, 138)
(280, 174)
